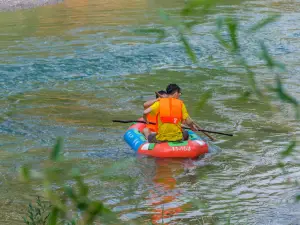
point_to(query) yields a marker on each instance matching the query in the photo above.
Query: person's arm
(146, 111)
(189, 122)
(147, 104)
(186, 119)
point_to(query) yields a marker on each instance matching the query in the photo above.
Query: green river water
(69, 69)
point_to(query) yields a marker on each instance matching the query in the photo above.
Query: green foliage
(25, 174)
(229, 219)
(264, 22)
(56, 153)
(265, 55)
(232, 26)
(188, 48)
(37, 214)
(64, 198)
(227, 32)
(289, 149)
(203, 100)
(161, 34)
(200, 7)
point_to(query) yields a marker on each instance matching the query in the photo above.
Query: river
(69, 69)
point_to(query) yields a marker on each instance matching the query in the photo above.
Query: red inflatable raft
(191, 148)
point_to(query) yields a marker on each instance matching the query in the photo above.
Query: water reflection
(166, 198)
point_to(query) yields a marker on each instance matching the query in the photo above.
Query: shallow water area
(69, 69)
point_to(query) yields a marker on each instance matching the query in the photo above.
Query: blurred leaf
(109, 217)
(159, 32)
(164, 16)
(229, 218)
(285, 97)
(70, 193)
(170, 22)
(232, 25)
(289, 149)
(252, 81)
(280, 164)
(25, 173)
(188, 48)
(200, 204)
(190, 24)
(82, 205)
(219, 23)
(57, 150)
(264, 22)
(245, 96)
(83, 188)
(222, 41)
(199, 6)
(203, 100)
(53, 218)
(282, 94)
(75, 172)
(280, 65)
(298, 198)
(56, 200)
(95, 208)
(266, 56)
(251, 77)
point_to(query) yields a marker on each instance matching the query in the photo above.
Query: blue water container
(134, 139)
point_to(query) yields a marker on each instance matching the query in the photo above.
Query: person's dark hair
(172, 88)
(162, 92)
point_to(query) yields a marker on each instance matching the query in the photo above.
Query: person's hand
(159, 95)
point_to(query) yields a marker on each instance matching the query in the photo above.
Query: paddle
(131, 121)
(202, 130)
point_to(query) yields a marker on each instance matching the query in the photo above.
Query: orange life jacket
(170, 110)
(152, 119)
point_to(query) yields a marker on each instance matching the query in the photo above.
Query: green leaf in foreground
(190, 24)
(57, 150)
(161, 34)
(266, 56)
(203, 100)
(232, 25)
(201, 6)
(229, 218)
(53, 218)
(289, 149)
(188, 48)
(264, 22)
(25, 173)
(200, 204)
(245, 96)
(282, 94)
(285, 97)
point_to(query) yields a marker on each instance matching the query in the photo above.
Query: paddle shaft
(202, 130)
(131, 121)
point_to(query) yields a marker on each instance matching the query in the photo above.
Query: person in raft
(170, 113)
(152, 128)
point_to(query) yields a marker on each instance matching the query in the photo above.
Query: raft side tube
(134, 139)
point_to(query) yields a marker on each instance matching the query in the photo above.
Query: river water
(69, 69)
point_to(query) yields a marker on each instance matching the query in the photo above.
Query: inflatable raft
(191, 148)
